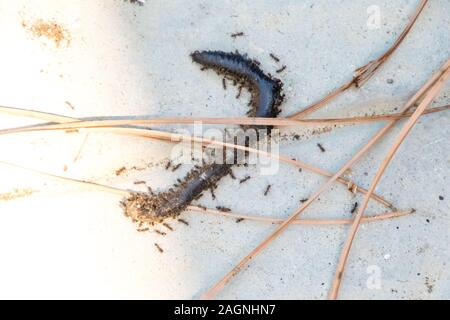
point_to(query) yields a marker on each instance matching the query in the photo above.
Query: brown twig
(365, 72)
(431, 93)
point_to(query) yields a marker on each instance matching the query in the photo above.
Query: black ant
(237, 34)
(267, 190)
(159, 248)
(321, 147)
(244, 180)
(183, 221)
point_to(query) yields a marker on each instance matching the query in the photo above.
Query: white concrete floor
(129, 60)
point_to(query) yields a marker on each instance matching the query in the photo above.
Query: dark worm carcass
(266, 97)
(266, 90)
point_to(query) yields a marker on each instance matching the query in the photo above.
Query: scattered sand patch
(16, 193)
(50, 30)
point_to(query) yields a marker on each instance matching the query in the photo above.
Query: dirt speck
(422, 249)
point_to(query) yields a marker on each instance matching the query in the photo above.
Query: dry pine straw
(73, 123)
(362, 75)
(220, 284)
(236, 146)
(125, 193)
(121, 192)
(81, 124)
(170, 137)
(431, 92)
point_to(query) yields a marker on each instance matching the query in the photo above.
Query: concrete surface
(116, 58)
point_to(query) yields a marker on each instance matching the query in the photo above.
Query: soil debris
(16, 193)
(50, 29)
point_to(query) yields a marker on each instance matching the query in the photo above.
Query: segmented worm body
(266, 90)
(266, 97)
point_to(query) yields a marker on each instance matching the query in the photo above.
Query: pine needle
(173, 137)
(430, 95)
(372, 218)
(72, 123)
(279, 230)
(365, 72)
(92, 186)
